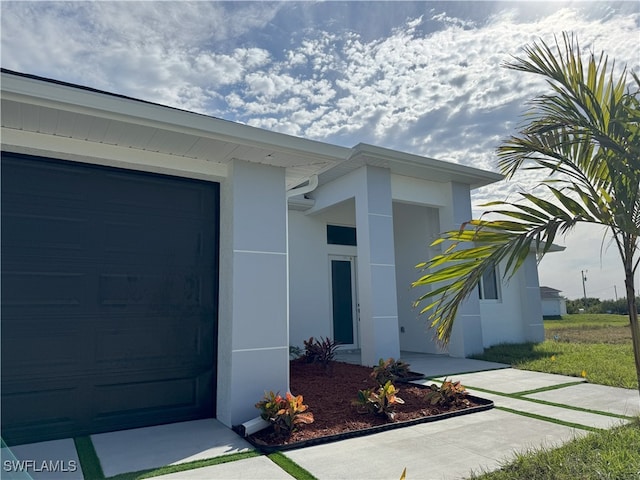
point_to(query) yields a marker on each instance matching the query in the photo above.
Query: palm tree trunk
(633, 317)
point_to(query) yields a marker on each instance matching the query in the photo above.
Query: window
(337, 235)
(488, 286)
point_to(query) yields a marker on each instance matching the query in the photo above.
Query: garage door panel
(153, 291)
(50, 181)
(28, 232)
(178, 396)
(38, 353)
(43, 289)
(109, 299)
(177, 240)
(175, 343)
(129, 353)
(149, 239)
(25, 406)
(180, 293)
(127, 398)
(142, 194)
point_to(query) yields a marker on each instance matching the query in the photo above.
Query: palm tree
(585, 135)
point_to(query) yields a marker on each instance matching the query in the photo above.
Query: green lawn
(607, 454)
(598, 346)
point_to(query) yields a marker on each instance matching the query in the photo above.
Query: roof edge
(482, 177)
(23, 85)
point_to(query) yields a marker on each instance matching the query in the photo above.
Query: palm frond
(585, 134)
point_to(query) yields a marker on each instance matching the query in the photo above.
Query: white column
(466, 337)
(253, 345)
(531, 314)
(379, 336)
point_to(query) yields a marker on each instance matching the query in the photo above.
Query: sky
(420, 77)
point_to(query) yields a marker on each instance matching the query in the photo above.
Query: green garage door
(109, 299)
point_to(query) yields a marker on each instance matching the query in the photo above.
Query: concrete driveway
(532, 410)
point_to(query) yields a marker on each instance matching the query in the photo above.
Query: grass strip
(291, 467)
(550, 387)
(523, 392)
(450, 376)
(155, 472)
(89, 461)
(549, 419)
(554, 404)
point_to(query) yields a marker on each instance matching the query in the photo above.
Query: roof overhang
(410, 165)
(81, 121)
(63, 110)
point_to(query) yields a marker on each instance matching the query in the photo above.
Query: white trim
(344, 250)
(382, 264)
(258, 349)
(447, 171)
(498, 282)
(95, 153)
(380, 215)
(257, 252)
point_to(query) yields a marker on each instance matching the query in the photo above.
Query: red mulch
(329, 394)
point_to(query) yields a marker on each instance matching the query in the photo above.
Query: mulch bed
(329, 393)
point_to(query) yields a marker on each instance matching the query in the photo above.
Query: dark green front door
(109, 299)
(342, 295)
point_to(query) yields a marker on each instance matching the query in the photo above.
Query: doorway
(344, 305)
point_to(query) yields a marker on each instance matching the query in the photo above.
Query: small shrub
(382, 401)
(389, 370)
(449, 394)
(295, 352)
(321, 351)
(286, 413)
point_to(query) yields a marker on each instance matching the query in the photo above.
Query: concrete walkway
(446, 449)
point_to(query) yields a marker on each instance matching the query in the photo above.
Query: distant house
(553, 304)
(158, 263)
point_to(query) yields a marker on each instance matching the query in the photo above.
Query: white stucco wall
(309, 307)
(415, 227)
(309, 270)
(554, 306)
(422, 210)
(364, 196)
(466, 335)
(418, 191)
(502, 321)
(253, 339)
(516, 317)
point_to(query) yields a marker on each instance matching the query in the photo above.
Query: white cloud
(158, 51)
(252, 57)
(432, 85)
(452, 21)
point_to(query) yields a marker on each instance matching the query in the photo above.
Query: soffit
(61, 110)
(33, 104)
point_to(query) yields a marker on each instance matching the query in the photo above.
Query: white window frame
(481, 290)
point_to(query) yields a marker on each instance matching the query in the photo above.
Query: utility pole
(615, 290)
(584, 289)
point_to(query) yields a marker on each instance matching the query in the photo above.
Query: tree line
(595, 305)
